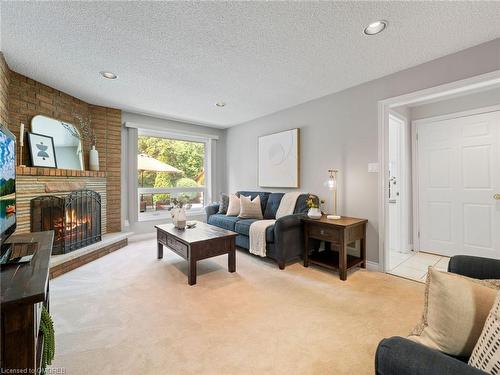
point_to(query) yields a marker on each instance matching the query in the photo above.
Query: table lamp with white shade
(332, 186)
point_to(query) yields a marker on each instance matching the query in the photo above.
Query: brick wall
(4, 91)
(108, 124)
(27, 98)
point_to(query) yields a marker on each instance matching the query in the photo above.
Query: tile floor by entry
(414, 265)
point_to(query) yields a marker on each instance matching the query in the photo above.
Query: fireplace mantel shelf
(36, 171)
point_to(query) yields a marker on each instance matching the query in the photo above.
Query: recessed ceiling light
(108, 75)
(376, 27)
(220, 104)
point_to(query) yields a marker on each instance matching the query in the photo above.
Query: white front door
(458, 165)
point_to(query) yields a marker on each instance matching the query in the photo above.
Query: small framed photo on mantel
(42, 151)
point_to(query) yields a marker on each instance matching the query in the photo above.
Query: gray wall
(341, 131)
(462, 103)
(153, 123)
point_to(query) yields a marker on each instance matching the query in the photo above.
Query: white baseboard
(372, 266)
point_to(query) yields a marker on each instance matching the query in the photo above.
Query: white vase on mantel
(93, 159)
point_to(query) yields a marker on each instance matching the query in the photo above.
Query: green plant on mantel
(49, 342)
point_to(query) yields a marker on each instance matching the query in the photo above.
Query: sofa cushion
(264, 195)
(273, 202)
(243, 227)
(455, 310)
(223, 221)
(250, 209)
(486, 354)
(234, 206)
(224, 203)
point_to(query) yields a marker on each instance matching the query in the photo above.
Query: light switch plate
(373, 167)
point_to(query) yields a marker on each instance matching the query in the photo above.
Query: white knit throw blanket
(258, 228)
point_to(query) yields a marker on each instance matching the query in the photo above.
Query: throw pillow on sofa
(250, 209)
(224, 203)
(455, 310)
(233, 208)
(486, 354)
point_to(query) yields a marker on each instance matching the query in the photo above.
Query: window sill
(163, 215)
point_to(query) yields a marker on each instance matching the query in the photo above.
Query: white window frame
(206, 190)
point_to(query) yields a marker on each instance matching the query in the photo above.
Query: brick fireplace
(22, 98)
(33, 183)
(58, 187)
(75, 219)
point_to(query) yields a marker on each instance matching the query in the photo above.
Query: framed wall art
(279, 159)
(42, 150)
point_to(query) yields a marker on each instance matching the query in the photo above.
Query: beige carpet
(128, 313)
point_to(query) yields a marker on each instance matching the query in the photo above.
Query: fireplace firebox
(75, 219)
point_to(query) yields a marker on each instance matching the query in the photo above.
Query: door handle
(496, 197)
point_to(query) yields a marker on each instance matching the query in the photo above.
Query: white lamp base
(333, 217)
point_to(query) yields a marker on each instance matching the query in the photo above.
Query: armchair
(400, 356)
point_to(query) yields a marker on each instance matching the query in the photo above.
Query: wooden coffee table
(201, 242)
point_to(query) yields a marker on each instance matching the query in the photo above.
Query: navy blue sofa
(400, 356)
(285, 239)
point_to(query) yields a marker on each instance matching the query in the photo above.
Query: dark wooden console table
(338, 234)
(201, 242)
(25, 289)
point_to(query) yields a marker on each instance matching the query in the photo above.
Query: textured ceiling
(177, 59)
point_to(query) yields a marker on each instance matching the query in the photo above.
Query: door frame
(483, 81)
(414, 166)
(404, 180)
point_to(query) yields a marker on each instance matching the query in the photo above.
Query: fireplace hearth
(75, 219)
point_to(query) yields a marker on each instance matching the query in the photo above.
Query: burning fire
(74, 221)
(72, 226)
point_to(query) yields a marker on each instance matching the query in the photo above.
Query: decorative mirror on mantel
(67, 141)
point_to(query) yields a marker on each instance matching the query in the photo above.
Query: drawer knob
(322, 231)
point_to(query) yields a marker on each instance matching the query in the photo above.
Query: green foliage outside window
(188, 183)
(183, 155)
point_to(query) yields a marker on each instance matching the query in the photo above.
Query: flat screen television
(7, 184)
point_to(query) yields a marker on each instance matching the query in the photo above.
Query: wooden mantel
(35, 171)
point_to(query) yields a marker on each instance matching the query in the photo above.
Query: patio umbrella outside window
(149, 164)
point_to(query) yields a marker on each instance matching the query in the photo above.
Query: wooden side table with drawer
(338, 233)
